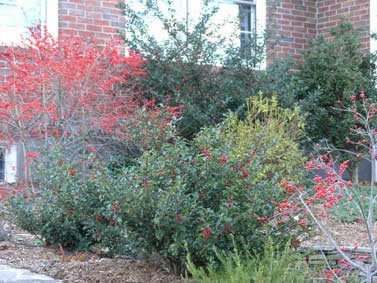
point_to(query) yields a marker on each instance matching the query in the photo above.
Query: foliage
(275, 265)
(273, 133)
(77, 200)
(66, 92)
(200, 193)
(63, 101)
(281, 80)
(194, 64)
(75, 204)
(334, 68)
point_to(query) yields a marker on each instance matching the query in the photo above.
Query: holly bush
(194, 196)
(194, 64)
(334, 68)
(74, 204)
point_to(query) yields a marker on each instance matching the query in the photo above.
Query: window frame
(373, 24)
(260, 21)
(49, 19)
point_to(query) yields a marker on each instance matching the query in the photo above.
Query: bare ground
(21, 251)
(345, 234)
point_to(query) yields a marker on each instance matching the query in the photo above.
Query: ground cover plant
(275, 265)
(347, 211)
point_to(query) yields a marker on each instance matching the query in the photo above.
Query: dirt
(345, 234)
(22, 250)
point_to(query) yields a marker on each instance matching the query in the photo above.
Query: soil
(22, 251)
(345, 234)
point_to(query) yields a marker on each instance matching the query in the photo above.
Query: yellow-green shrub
(272, 133)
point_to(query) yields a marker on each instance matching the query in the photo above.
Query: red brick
(92, 3)
(298, 35)
(324, 9)
(288, 17)
(76, 26)
(287, 5)
(93, 28)
(331, 24)
(300, 40)
(76, 12)
(336, 6)
(288, 28)
(300, 19)
(355, 8)
(68, 18)
(88, 8)
(101, 23)
(104, 35)
(284, 22)
(110, 30)
(94, 15)
(331, 13)
(62, 12)
(84, 20)
(294, 23)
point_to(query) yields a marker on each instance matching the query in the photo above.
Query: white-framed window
(251, 25)
(373, 24)
(17, 16)
(250, 17)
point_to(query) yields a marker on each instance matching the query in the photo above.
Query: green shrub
(201, 193)
(194, 66)
(74, 205)
(334, 68)
(77, 195)
(274, 266)
(272, 132)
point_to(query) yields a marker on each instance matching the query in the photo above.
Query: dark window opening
(2, 165)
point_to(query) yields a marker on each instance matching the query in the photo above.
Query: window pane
(8, 13)
(31, 12)
(227, 16)
(20, 14)
(246, 44)
(247, 18)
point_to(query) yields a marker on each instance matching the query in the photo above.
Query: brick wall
(332, 12)
(90, 18)
(293, 25)
(295, 22)
(3, 71)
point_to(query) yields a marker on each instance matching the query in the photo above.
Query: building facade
(293, 22)
(299, 21)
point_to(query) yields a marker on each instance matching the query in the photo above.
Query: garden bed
(24, 251)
